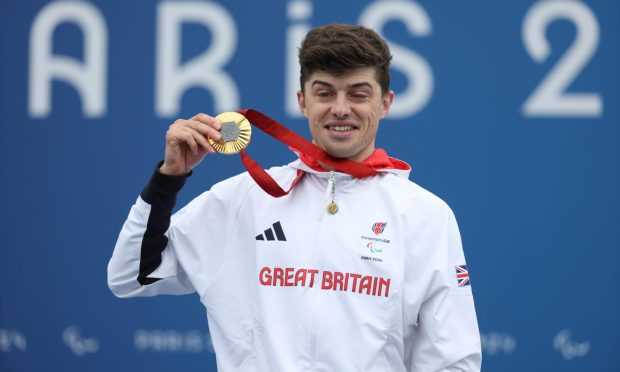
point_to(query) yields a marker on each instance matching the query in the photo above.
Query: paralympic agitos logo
(377, 228)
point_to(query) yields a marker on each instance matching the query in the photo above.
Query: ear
(386, 103)
(301, 101)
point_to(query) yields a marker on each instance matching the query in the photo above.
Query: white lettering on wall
(12, 340)
(155, 340)
(494, 343)
(298, 11)
(569, 349)
(417, 71)
(551, 97)
(80, 346)
(204, 70)
(88, 77)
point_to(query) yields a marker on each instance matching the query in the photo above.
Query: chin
(339, 153)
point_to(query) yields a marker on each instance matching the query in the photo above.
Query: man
(375, 282)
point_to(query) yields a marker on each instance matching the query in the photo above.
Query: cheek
(372, 116)
(372, 130)
(315, 114)
(313, 123)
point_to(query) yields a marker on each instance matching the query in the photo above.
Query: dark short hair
(338, 48)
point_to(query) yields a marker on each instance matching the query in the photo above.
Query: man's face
(344, 111)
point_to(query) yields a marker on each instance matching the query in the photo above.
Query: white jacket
(290, 287)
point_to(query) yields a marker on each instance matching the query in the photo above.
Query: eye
(359, 95)
(323, 94)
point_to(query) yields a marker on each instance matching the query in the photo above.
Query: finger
(185, 135)
(206, 130)
(202, 141)
(193, 125)
(209, 120)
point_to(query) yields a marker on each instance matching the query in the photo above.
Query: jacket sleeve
(142, 263)
(444, 336)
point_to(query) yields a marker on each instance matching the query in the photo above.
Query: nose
(340, 106)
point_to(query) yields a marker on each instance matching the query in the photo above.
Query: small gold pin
(332, 208)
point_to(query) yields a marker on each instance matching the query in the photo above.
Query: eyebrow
(356, 85)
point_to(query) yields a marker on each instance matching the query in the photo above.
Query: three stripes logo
(269, 233)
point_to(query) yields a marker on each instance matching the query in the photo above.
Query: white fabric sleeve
(445, 335)
(124, 266)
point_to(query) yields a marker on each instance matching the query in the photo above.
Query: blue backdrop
(508, 110)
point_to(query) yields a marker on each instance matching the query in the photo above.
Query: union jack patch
(462, 275)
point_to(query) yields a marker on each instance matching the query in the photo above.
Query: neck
(325, 166)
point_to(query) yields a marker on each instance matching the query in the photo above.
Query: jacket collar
(378, 160)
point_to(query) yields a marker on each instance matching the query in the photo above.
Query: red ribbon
(285, 135)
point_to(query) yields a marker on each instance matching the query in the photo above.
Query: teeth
(341, 128)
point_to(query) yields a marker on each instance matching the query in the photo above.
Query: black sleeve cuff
(162, 190)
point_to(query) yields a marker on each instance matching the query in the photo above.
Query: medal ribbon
(285, 135)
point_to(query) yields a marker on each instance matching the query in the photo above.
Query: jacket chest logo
(378, 227)
(375, 245)
(275, 232)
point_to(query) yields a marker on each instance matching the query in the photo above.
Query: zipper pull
(332, 207)
(330, 193)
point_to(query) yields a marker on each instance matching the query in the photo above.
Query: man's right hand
(187, 144)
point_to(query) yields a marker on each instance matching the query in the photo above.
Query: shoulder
(416, 202)
(243, 182)
(231, 192)
(411, 192)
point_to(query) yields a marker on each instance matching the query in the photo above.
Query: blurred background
(507, 110)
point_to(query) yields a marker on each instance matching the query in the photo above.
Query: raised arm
(141, 265)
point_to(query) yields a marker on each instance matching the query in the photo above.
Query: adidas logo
(269, 233)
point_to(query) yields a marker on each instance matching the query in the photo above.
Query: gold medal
(236, 132)
(332, 208)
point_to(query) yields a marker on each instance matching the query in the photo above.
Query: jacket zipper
(330, 195)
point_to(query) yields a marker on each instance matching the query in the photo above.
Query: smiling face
(343, 111)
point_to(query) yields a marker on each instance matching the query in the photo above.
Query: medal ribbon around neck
(284, 135)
